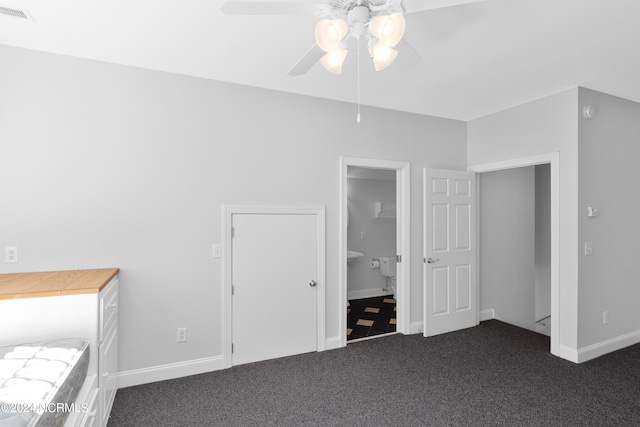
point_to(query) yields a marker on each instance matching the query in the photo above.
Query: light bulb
(382, 56)
(389, 29)
(333, 60)
(329, 33)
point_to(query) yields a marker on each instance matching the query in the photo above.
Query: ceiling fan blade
(271, 7)
(408, 58)
(305, 63)
(412, 6)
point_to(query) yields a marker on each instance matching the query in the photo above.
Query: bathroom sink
(351, 255)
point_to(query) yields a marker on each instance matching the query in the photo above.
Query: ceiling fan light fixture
(329, 33)
(389, 29)
(382, 55)
(333, 60)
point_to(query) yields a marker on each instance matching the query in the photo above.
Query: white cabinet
(108, 352)
(86, 307)
(89, 395)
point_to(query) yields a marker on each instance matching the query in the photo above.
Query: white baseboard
(489, 314)
(182, 369)
(486, 314)
(169, 371)
(199, 366)
(417, 327)
(567, 353)
(368, 293)
(608, 346)
(583, 354)
(332, 343)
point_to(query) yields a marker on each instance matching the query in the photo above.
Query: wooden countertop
(54, 283)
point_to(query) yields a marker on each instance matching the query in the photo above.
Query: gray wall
(103, 165)
(543, 126)
(597, 167)
(380, 235)
(609, 173)
(507, 245)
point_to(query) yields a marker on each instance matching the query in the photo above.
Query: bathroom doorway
(371, 252)
(374, 229)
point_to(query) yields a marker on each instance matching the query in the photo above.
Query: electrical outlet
(182, 335)
(10, 254)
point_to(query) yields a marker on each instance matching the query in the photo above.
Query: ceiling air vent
(16, 13)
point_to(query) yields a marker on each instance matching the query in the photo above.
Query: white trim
(554, 161)
(489, 314)
(608, 346)
(332, 343)
(403, 298)
(403, 221)
(169, 371)
(228, 210)
(567, 353)
(514, 163)
(367, 293)
(417, 327)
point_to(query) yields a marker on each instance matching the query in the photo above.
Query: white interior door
(274, 289)
(450, 289)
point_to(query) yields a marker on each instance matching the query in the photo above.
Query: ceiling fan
(381, 22)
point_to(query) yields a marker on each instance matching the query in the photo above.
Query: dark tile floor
(371, 316)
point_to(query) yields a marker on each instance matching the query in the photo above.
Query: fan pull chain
(358, 116)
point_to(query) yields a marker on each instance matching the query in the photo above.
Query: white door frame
(403, 247)
(228, 210)
(553, 159)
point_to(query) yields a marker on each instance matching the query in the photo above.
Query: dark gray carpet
(494, 374)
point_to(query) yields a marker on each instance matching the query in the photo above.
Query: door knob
(313, 283)
(432, 260)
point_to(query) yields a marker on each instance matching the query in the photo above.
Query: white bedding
(40, 381)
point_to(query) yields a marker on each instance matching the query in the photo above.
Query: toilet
(388, 270)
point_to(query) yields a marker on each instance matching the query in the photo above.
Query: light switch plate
(588, 248)
(217, 251)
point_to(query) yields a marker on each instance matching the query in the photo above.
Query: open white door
(450, 288)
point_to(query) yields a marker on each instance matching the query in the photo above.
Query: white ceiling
(478, 58)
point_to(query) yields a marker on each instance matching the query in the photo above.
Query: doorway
(371, 252)
(402, 173)
(552, 159)
(515, 246)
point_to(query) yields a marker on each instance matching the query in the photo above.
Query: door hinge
(231, 347)
(233, 232)
(398, 258)
(233, 290)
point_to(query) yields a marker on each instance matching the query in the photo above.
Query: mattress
(39, 382)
